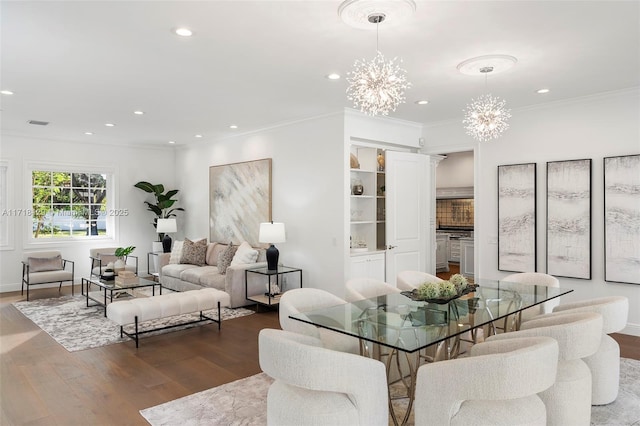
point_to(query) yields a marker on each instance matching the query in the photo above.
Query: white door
(407, 218)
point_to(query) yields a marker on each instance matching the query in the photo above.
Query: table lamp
(271, 233)
(166, 226)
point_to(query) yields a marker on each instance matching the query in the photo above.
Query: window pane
(98, 181)
(62, 179)
(41, 178)
(80, 180)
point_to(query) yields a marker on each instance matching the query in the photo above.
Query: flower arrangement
(456, 286)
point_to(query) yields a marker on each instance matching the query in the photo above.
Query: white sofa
(183, 277)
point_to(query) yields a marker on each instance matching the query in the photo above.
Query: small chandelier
(377, 86)
(486, 117)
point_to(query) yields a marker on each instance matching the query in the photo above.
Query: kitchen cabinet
(466, 257)
(454, 250)
(368, 266)
(442, 252)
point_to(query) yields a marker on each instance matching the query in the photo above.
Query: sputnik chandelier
(486, 117)
(376, 86)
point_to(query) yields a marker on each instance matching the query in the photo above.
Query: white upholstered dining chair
(578, 335)
(409, 280)
(605, 363)
(307, 299)
(535, 278)
(318, 386)
(367, 288)
(496, 385)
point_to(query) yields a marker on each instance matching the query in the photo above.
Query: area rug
(243, 403)
(76, 327)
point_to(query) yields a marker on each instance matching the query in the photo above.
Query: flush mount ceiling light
(486, 116)
(377, 86)
(183, 32)
(333, 76)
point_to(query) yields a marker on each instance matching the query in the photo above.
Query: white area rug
(244, 403)
(76, 327)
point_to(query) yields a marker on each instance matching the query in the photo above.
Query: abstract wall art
(622, 219)
(569, 218)
(517, 245)
(239, 200)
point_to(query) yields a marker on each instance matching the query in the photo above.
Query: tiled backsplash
(455, 212)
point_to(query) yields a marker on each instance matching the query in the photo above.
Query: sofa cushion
(43, 264)
(176, 252)
(174, 270)
(213, 251)
(194, 252)
(225, 258)
(245, 254)
(217, 281)
(193, 275)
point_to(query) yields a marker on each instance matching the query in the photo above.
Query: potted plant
(164, 201)
(121, 253)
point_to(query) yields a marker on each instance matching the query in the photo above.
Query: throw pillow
(176, 252)
(194, 252)
(225, 258)
(245, 254)
(42, 264)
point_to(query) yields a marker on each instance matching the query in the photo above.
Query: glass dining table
(403, 332)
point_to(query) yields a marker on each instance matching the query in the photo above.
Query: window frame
(111, 223)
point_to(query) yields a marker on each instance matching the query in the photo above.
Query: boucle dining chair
(306, 299)
(367, 288)
(578, 335)
(496, 385)
(318, 386)
(535, 278)
(46, 267)
(605, 363)
(409, 280)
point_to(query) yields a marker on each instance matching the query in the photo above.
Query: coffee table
(107, 289)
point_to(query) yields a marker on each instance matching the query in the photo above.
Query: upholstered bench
(138, 310)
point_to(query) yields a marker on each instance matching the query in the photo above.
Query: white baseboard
(632, 329)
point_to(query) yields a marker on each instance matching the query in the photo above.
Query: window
(69, 204)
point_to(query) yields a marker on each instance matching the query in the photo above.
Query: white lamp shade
(166, 226)
(272, 232)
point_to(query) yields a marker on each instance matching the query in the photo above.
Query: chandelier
(486, 117)
(377, 86)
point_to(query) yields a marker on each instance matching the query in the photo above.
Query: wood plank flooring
(43, 384)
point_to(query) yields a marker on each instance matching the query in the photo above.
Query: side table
(275, 284)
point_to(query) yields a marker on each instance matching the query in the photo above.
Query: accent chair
(100, 257)
(46, 267)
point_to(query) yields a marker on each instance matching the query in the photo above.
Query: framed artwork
(517, 243)
(569, 218)
(239, 200)
(622, 219)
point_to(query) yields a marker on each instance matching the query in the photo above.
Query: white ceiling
(80, 64)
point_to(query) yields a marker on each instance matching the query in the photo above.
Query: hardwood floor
(43, 384)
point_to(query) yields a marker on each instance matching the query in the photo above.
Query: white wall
(592, 127)
(307, 191)
(455, 171)
(131, 164)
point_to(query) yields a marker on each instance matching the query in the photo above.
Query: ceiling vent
(38, 123)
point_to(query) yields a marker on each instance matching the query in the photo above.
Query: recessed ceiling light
(88, 133)
(197, 136)
(184, 32)
(542, 91)
(233, 126)
(172, 142)
(109, 124)
(6, 92)
(422, 102)
(333, 76)
(138, 112)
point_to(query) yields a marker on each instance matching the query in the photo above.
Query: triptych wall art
(569, 218)
(517, 218)
(622, 219)
(239, 200)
